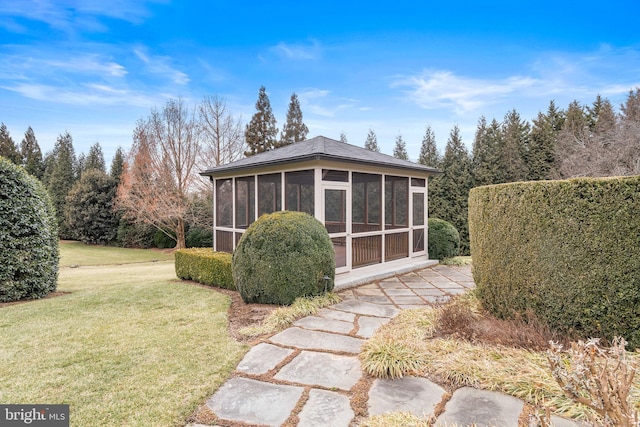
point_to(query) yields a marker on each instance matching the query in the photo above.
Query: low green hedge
(567, 250)
(205, 266)
(444, 239)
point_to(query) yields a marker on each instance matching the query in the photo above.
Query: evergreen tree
(629, 133)
(429, 155)
(449, 192)
(8, 148)
(485, 164)
(117, 165)
(261, 132)
(630, 110)
(60, 178)
(294, 129)
(31, 154)
(543, 142)
(572, 142)
(95, 159)
(89, 208)
(371, 142)
(400, 149)
(600, 116)
(343, 137)
(513, 148)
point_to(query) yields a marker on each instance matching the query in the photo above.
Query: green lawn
(78, 253)
(131, 345)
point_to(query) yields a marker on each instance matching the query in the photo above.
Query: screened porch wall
(386, 220)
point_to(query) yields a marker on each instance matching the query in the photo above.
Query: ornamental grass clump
(283, 256)
(28, 236)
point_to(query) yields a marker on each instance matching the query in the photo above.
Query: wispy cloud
(298, 51)
(434, 89)
(69, 15)
(161, 65)
(86, 94)
(322, 103)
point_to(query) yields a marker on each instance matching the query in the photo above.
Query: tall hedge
(283, 256)
(28, 236)
(567, 250)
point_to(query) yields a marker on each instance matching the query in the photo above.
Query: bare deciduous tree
(160, 172)
(222, 135)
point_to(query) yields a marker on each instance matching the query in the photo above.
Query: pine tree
(343, 137)
(513, 148)
(8, 148)
(629, 133)
(400, 149)
(60, 178)
(261, 132)
(294, 129)
(449, 192)
(95, 159)
(429, 155)
(117, 165)
(543, 143)
(485, 164)
(600, 116)
(371, 142)
(31, 154)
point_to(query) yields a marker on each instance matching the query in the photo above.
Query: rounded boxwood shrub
(444, 239)
(28, 236)
(283, 256)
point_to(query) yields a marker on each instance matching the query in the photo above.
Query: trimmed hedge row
(444, 239)
(205, 266)
(567, 250)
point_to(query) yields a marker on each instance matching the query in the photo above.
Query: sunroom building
(373, 206)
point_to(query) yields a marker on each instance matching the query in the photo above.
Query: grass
(78, 254)
(459, 261)
(283, 317)
(129, 346)
(410, 345)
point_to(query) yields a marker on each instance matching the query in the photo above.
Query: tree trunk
(180, 235)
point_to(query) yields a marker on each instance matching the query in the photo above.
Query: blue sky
(93, 67)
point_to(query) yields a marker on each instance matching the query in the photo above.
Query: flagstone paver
(481, 407)
(418, 396)
(322, 369)
(262, 358)
(317, 340)
(251, 401)
(326, 408)
(317, 383)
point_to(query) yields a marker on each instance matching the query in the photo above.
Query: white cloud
(298, 51)
(444, 89)
(87, 94)
(70, 15)
(161, 65)
(320, 102)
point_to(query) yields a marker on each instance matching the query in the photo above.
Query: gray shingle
(317, 148)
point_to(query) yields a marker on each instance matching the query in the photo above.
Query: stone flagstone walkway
(306, 375)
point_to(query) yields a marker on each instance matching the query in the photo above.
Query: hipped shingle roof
(317, 148)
